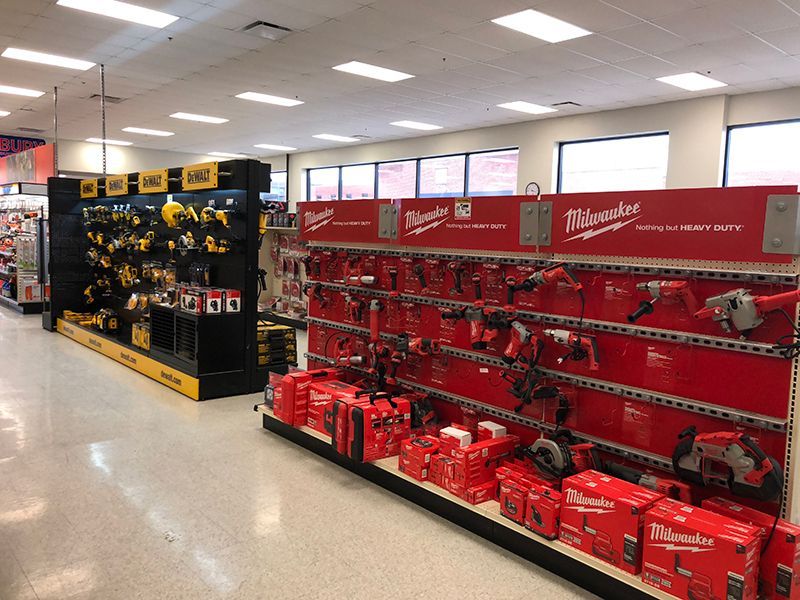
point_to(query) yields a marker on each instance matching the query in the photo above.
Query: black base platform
(23, 308)
(580, 569)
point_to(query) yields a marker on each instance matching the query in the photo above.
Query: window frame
(417, 160)
(729, 130)
(627, 136)
(286, 184)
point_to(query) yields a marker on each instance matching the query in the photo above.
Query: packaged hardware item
(291, 405)
(321, 397)
(693, 553)
(779, 567)
(604, 516)
(416, 455)
(378, 427)
(543, 511)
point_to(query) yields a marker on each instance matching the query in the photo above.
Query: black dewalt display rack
(209, 355)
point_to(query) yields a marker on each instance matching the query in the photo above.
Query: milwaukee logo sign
(588, 504)
(314, 220)
(675, 540)
(589, 223)
(418, 222)
(321, 397)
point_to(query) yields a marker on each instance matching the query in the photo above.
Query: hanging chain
(103, 112)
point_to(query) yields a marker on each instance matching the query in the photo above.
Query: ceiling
(464, 65)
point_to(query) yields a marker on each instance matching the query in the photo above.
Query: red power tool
(392, 271)
(601, 544)
(582, 347)
(552, 274)
(669, 292)
(405, 346)
(484, 323)
(699, 584)
(316, 293)
(560, 455)
(419, 271)
(343, 352)
(353, 274)
(669, 487)
(457, 270)
(312, 265)
(520, 339)
(355, 308)
(740, 309)
(730, 459)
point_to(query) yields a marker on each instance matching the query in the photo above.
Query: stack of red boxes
(779, 567)
(321, 397)
(604, 516)
(695, 554)
(527, 499)
(467, 469)
(369, 428)
(291, 405)
(416, 456)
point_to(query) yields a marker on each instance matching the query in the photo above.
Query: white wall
(696, 126)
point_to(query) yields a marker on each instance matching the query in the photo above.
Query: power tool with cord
(743, 311)
(730, 459)
(582, 346)
(551, 274)
(669, 292)
(671, 488)
(484, 323)
(519, 341)
(559, 455)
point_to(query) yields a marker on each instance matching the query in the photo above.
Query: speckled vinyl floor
(114, 487)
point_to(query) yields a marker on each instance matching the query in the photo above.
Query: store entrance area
(116, 487)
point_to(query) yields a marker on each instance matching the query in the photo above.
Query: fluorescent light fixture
(527, 107)
(144, 131)
(416, 125)
(334, 138)
(275, 147)
(7, 89)
(365, 70)
(109, 142)
(201, 118)
(542, 26)
(266, 98)
(227, 155)
(122, 10)
(694, 82)
(4, 113)
(47, 59)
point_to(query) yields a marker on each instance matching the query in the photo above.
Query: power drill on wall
(552, 274)
(484, 324)
(582, 347)
(669, 292)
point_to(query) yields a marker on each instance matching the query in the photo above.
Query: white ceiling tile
(648, 66)
(489, 72)
(648, 38)
(652, 9)
(611, 75)
(416, 59)
(500, 37)
(777, 68)
(593, 15)
(754, 15)
(462, 46)
(551, 58)
(601, 48)
(697, 58)
(699, 25)
(787, 39)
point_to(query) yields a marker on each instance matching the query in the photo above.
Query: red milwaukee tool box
(416, 454)
(693, 553)
(291, 406)
(378, 427)
(604, 516)
(321, 396)
(341, 422)
(476, 463)
(779, 567)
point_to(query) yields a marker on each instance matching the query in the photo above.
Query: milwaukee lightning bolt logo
(423, 221)
(677, 541)
(585, 221)
(588, 504)
(314, 220)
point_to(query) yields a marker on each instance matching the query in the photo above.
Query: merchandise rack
(657, 376)
(236, 186)
(484, 519)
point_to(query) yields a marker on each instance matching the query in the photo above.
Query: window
(493, 173)
(358, 181)
(277, 190)
(442, 176)
(323, 184)
(763, 154)
(397, 179)
(627, 163)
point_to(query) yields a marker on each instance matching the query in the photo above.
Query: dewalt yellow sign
(154, 182)
(200, 177)
(89, 188)
(116, 185)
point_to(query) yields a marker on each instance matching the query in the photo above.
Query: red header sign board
(483, 223)
(725, 224)
(350, 221)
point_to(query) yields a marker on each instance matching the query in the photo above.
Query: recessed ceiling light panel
(143, 131)
(694, 82)
(268, 99)
(541, 26)
(372, 71)
(123, 11)
(108, 142)
(275, 147)
(527, 107)
(416, 125)
(227, 155)
(200, 118)
(16, 91)
(4, 113)
(47, 59)
(335, 138)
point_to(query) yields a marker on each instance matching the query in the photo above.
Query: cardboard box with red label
(604, 516)
(321, 397)
(543, 511)
(693, 553)
(416, 455)
(291, 405)
(779, 567)
(378, 427)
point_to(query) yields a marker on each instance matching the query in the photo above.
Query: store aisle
(115, 487)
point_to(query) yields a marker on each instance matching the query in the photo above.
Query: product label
(116, 185)
(89, 188)
(200, 177)
(154, 182)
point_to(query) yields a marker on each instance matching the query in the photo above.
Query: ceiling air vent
(567, 103)
(268, 31)
(361, 136)
(30, 130)
(109, 99)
